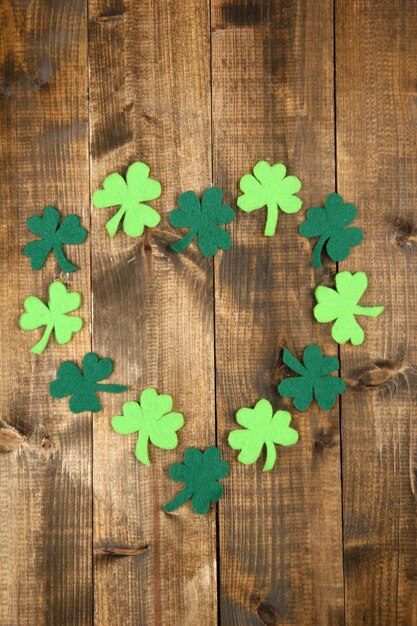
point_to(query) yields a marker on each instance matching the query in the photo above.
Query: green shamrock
(329, 224)
(313, 379)
(341, 304)
(53, 316)
(271, 188)
(153, 419)
(200, 472)
(53, 236)
(131, 195)
(203, 219)
(263, 428)
(82, 386)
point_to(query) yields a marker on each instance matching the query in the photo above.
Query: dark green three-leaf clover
(329, 224)
(53, 237)
(313, 379)
(83, 386)
(201, 472)
(203, 220)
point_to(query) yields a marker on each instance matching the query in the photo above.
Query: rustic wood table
(201, 90)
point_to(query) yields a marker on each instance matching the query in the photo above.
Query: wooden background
(202, 90)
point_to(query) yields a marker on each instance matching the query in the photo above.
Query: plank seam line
(339, 351)
(216, 438)
(88, 66)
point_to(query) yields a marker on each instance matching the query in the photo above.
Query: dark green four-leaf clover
(203, 220)
(329, 224)
(53, 237)
(313, 379)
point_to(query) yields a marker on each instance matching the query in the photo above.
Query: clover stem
(179, 500)
(181, 244)
(271, 456)
(368, 311)
(65, 264)
(110, 388)
(113, 223)
(271, 219)
(142, 449)
(317, 251)
(39, 347)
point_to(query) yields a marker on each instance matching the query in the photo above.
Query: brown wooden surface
(280, 534)
(46, 489)
(150, 100)
(377, 100)
(201, 90)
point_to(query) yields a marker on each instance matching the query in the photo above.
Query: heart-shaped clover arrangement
(151, 421)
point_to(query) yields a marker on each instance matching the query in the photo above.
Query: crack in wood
(118, 551)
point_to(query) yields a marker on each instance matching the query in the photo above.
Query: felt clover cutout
(341, 305)
(201, 472)
(203, 220)
(153, 419)
(53, 315)
(271, 188)
(53, 237)
(313, 379)
(83, 386)
(329, 225)
(130, 195)
(263, 428)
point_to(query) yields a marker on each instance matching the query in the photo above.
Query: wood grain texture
(153, 309)
(280, 532)
(377, 160)
(45, 476)
(201, 90)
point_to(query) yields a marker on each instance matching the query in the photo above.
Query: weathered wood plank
(153, 309)
(280, 534)
(45, 496)
(377, 169)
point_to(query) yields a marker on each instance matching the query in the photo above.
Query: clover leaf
(271, 188)
(83, 386)
(203, 220)
(329, 224)
(130, 195)
(201, 472)
(341, 304)
(53, 237)
(53, 315)
(313, 379)
(153, 419)
(263, 428)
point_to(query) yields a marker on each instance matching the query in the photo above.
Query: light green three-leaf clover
(340, 306)
(261, 427)
(268, 186)
(130, 194)
(54, 315)
(153, 420)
